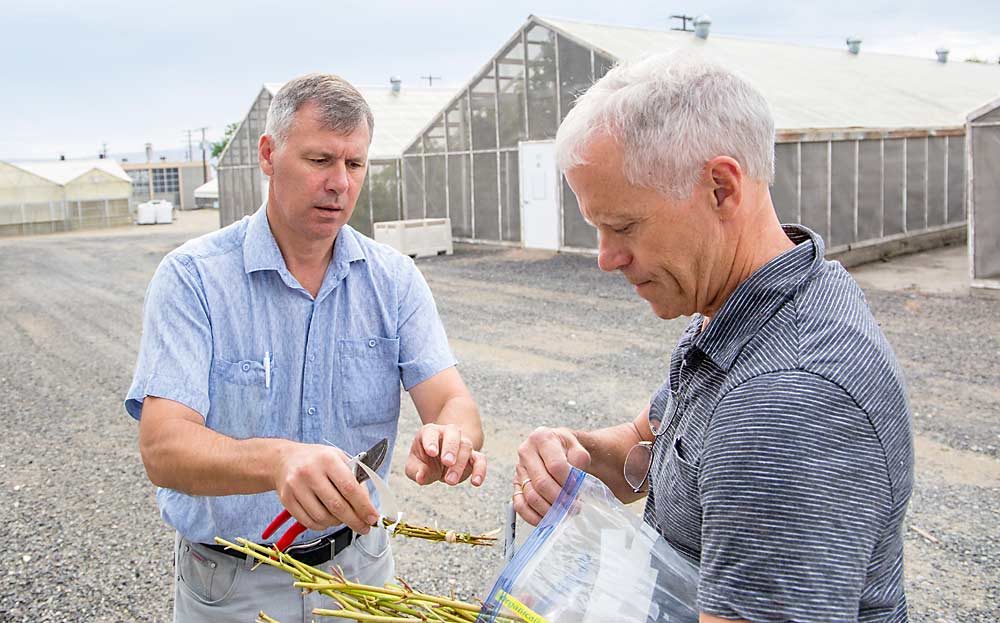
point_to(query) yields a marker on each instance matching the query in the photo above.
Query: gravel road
(543, 340)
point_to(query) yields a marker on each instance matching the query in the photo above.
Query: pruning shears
(372, 458)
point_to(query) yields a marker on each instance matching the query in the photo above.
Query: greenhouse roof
(816, 88)
(399, 117)
(63, 172)
(208, 190)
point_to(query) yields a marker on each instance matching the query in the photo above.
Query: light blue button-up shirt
(229, 332)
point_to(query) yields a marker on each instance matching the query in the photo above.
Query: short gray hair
(671, 115)
(341, 107)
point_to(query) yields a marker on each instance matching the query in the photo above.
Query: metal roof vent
(942, 54)
(397, 84)
(702, 24)
(853, 45)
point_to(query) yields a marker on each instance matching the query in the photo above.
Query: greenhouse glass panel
(842, 193)
(435, 197)
(361, 219)
(869, 190)
(892, 186)
(434, 137)
(413, 187)
(542, 114)
(577, 232)
(574, 73)
(916, 177)
(510, 196)
(936, 148)
(458, 125)
(460, 195)
(236, 153)
(956, 179)
(785, 191)
(487, 224)
(510, 80)
(484, 113)
(384, 188)
(815, 188)
(602, 65)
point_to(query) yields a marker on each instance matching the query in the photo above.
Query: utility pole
(204, 159)
(430, 79)
(685, 19)
(104, 150)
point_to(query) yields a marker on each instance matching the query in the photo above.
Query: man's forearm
(462, 411)
(608, 448)
(184, 455)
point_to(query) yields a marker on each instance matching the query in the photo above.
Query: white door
(540, 226)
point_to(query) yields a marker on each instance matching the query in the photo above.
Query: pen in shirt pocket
(267, 369)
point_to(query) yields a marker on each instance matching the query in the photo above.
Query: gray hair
(671, 115)
(341, 107)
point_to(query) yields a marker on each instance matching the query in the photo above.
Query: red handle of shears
(289, 536)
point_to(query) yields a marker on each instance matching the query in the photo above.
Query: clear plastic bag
(593, 560)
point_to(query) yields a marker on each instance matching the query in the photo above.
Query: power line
(430, 79)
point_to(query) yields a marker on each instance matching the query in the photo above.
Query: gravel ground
(543, 340)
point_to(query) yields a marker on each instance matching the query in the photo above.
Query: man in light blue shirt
(272, 351)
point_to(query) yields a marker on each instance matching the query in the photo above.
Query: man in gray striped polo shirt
(778, 452)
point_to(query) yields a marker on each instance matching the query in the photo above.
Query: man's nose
(338, 181)
(610, 256)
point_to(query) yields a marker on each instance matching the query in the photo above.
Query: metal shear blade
(372, 457)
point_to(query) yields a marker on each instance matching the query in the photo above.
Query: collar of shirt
(261, 252)
(755, 300)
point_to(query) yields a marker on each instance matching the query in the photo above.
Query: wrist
(277, 453)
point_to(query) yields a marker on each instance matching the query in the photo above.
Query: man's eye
(624, 229)
(317, 160)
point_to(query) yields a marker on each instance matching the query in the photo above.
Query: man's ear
(265, 154)
(726, 179)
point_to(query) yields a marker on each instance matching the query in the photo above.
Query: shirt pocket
(678, 493)
(240, 398)
(368, 380)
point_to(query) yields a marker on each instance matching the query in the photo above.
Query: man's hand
(544, 462)
(442, 452)
(318, 488)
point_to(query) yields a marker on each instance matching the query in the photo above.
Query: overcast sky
(79, 74)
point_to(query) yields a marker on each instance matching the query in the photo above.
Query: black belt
(312, 553)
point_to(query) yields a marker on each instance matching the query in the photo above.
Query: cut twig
(433, 534)
(359, 602)
(927, 535)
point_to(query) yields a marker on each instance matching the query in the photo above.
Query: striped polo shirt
(786, 463)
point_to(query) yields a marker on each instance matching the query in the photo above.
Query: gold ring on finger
(525, 482)
(516, 493)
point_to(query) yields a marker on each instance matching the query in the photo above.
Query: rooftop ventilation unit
(702, 24)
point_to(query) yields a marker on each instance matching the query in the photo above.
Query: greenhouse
(62, 195)
(984, 191)
(870, 153)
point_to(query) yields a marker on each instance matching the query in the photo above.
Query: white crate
(145, 214)
(164, 211)
(416, 237)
